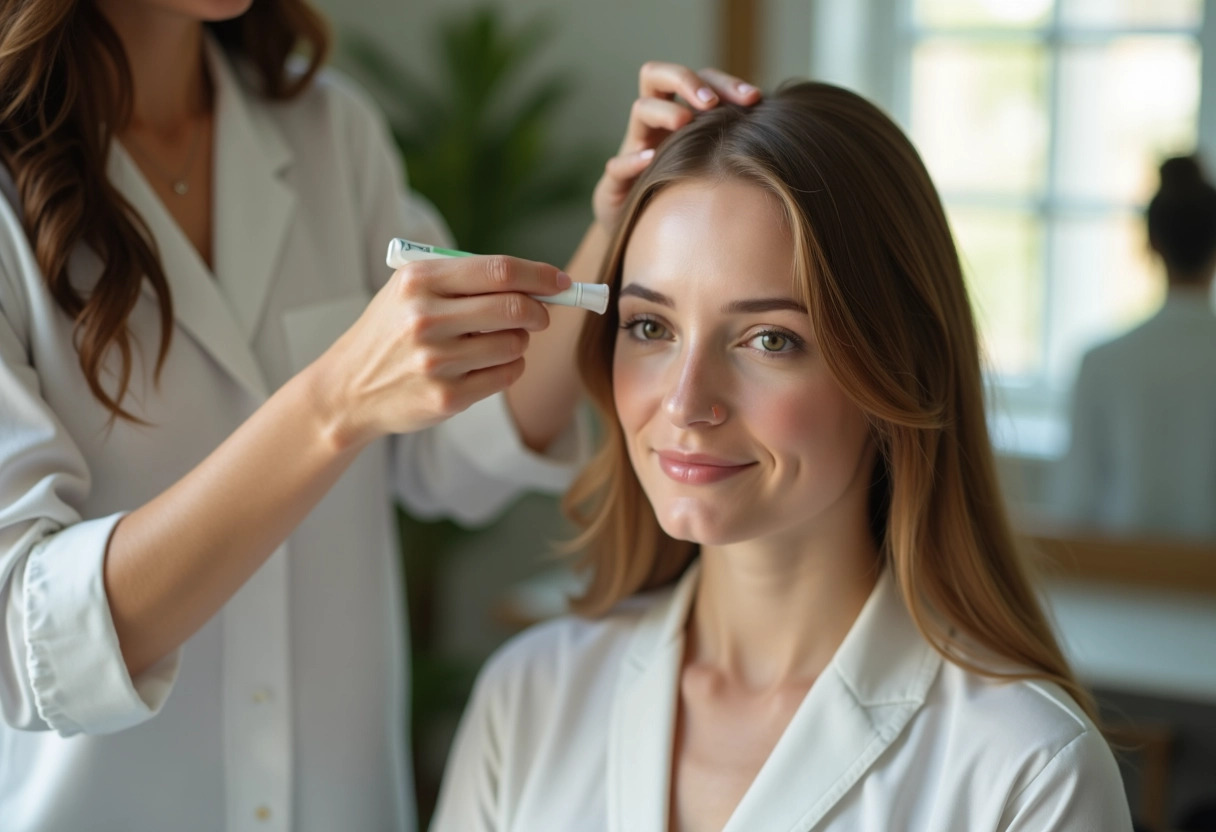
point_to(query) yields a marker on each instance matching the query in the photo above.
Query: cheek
(811, 422)
(634, 391)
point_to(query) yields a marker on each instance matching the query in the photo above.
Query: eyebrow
(647, 294)
(735, 307)
(766, 305)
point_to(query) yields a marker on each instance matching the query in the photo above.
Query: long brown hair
(65, 89)
(880, 276)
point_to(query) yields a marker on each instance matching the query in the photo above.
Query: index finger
(659, 79)
(730, 87)
(488, 274)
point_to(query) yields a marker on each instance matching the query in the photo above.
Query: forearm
(543, 401)
(174, 562)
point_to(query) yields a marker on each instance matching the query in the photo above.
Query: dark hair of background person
(878, 270)
(65, 90)
(1182, 221)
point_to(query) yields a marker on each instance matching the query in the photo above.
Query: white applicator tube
(590, 296)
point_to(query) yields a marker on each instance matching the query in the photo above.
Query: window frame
(870, 48)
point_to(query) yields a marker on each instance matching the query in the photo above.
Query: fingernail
(745, 88)
(564, 281)
(648, 153)
(706, 95)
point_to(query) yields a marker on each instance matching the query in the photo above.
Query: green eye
(651, 330)
(774, 341)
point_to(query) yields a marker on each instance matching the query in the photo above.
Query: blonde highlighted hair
(880, 276)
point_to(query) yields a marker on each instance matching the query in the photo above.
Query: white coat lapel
(253, 203)
(870, 690)
(643, 718)
(198, 304)
(252, 212)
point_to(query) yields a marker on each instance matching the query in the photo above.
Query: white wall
(603, 43)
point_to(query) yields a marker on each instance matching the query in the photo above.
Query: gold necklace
(177, 183)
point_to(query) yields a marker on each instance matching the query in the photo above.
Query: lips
(698, 469)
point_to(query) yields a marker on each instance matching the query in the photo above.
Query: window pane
(1132, 13)
(979, 115)
(1002, 13)
(1124, 106)
(1106, 281)
(1002, 261)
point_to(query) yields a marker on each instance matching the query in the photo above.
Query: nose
(694, 391)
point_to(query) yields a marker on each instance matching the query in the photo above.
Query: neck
(767, 613)
(165, 53)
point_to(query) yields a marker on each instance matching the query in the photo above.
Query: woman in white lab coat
(1142, 452)
(209, 383)
(805, 609)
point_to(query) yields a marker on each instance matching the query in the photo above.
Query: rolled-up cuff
(79, 678)
(485, 434)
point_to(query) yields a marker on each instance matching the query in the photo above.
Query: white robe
(571, 727)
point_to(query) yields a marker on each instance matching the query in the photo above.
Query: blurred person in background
(210, 389)
(1142, 455)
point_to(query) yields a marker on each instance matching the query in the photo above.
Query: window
(1043, 123)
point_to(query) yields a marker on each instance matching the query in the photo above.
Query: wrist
(321, 402)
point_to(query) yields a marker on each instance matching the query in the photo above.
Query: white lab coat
(571, 726)
(287, 710)
(1142, 455)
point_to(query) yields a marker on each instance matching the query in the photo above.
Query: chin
(702, 526)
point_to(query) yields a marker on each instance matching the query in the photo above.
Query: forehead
(718, 238)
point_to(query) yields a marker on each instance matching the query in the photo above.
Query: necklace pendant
(180, 188)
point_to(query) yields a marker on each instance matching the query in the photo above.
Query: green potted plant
(481, 145)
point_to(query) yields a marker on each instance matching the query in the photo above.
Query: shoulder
(336, 102)
(1149, 336)
(1012, 710)
(1099, 361)
(342, 95)
(1055, 766)
(1025, 733)
(1104, 369)
(567, 663)
(552, 654)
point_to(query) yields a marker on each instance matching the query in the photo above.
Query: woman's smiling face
(735, 426)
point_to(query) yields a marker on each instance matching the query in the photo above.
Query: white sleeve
(468, 798)
(60, 664)
(1079, 790)
(472, 466)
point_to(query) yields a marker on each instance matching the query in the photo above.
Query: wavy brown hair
(879, 273)
(65, 89)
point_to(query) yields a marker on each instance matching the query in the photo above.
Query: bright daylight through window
(1043, 123)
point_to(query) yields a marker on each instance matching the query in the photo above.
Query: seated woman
(805, 608)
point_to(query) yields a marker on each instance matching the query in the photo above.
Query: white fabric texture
(571, 727)
(287, 710)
